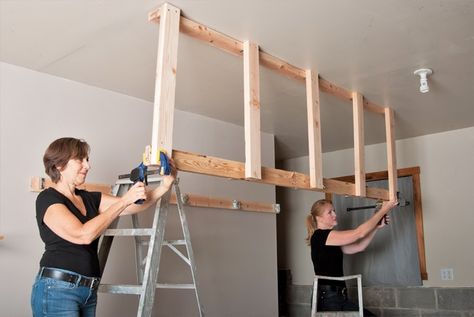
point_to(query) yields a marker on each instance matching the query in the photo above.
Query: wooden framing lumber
(391, 154)
(420, 235)
(314, 130)
(359, 143)
(165, 84)
(202, 164)
(273, 176)
(253, 163)
(37, 184)
(235, 47)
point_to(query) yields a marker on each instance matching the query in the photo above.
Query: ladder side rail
(187, 238)
(150, 276)
(139, 260)
(106, 241)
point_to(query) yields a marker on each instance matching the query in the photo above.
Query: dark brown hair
(60, 151)
(311, 224)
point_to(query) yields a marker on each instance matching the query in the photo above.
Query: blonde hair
(311, 223)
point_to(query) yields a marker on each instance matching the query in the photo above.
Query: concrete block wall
(395, 301)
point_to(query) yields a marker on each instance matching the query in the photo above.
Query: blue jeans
(54, 298)
(337, 301)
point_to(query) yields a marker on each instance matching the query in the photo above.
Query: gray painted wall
(235, 251)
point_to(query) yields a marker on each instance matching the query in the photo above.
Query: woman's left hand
(169, 179)
(384, 221)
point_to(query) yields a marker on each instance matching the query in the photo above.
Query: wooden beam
(314, 130)
(420, 235)
(253, 161)
(235, 47)
(207, 165)
(359, 143)
(222, 203)
(165, 84)
(38, 184)
(376, 176)
(391, 154)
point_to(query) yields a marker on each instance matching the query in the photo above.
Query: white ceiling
(371, 46)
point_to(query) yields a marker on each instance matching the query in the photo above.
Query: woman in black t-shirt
(328, 246)
(70, 222)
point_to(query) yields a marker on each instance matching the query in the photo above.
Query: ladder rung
(180, 286)
(120, 289)
(174, 242)
(129, 232)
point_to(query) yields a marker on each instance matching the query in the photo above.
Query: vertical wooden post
(314, 130)
(359, 143)
(165, 85)
(253, 163)
(391, 156)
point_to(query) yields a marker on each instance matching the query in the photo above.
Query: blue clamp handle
(165, 168)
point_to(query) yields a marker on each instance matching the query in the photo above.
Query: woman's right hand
(389, 204)
(136, 192)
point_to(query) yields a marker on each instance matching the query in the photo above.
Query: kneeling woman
(328, 246)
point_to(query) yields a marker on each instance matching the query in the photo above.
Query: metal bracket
(236, 204)
(276, 208)
(184, 199)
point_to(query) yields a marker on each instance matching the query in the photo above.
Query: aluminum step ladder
(148, 266)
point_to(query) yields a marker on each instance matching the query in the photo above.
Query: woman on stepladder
(328, 246)
(70, 222)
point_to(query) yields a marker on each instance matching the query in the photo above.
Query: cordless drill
(139, 174)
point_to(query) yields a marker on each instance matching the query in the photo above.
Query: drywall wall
(445, 160)
(235, 251)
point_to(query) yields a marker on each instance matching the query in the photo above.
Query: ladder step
(338, 314)
(120, 289)
(174, 242)
(137, 289)
(129, 232)
(177, 286)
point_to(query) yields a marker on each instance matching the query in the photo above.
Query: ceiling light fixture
(423, 73)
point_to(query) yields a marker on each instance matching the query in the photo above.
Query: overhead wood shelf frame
(172, 22)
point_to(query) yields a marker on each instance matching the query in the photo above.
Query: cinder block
(379, 297)
(441, 313)
(299, 294)
(456, 298)
(399, 312)
(298, 310)
(416, 297)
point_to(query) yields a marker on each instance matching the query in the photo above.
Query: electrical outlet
(447, 274)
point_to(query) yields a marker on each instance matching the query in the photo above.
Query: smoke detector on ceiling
(423, 73)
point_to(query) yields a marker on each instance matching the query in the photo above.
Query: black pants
(334, 298)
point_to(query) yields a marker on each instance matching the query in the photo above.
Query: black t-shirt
(60, 253)
(327, 259)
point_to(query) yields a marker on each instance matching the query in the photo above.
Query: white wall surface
(235, 251)
(447, 173)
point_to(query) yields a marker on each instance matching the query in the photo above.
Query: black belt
(79, 280)
(333, 288)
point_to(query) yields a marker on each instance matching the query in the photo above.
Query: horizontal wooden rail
(37, 184)
(235, 47)
(203, 164)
